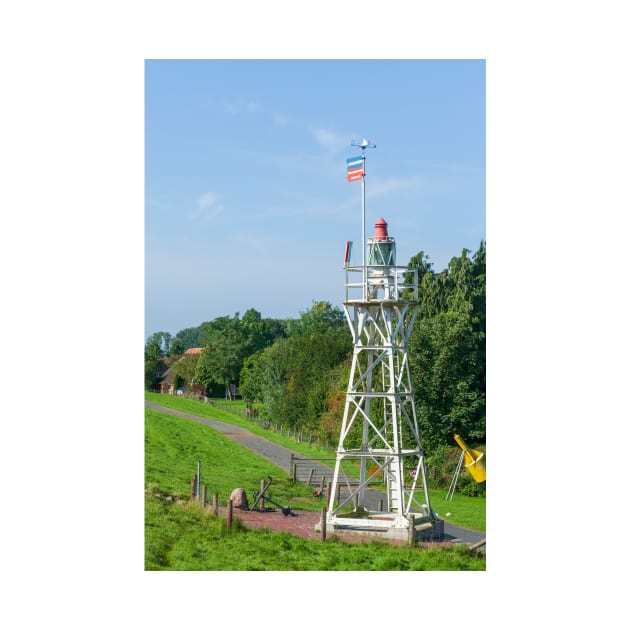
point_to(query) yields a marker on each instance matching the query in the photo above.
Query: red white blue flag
(355, 168)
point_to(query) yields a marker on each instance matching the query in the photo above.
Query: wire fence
(290, 432)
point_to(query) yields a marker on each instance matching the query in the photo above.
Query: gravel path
(303, 523)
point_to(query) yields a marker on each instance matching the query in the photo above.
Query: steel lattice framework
(380, 429)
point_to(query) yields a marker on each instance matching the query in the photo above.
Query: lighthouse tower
(379, 445)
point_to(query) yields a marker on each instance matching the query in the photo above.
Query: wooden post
(328, 488)
(204, 494)
(321, 485)
(477, 545)
(198, 490)
(310, 475)
(294, 472)
(412, 531)
(193, 488)
(380, 505)
(323, 525)
(262, 498)
(338, 497)
(291, 466)
(228, 519)
(215, 504)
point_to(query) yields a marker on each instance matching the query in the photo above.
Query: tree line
(296, 371)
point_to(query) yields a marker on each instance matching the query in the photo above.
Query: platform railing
(364, 283)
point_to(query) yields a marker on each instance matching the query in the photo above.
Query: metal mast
(364, 144)
(379, 444)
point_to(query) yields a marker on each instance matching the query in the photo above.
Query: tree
(223, 354)
(163, 340)
(448, 399)
(322, 317)
(447, 352)
(290, 377)
(190, 337)
(185, 369)
(228, 341)
(177, 347)
(152, 359)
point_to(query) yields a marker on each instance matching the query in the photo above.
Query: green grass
(469, 512)
(187, 538)
(206, 410)
(182, 536)
(173, 446)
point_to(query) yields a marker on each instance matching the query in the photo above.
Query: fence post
(215, 504)
(193, 488)
(262, 498)
(323, 525)
(204, 495)
(228, 518)
(291, 468)
(310, 476)
(380, 505)
(412, 531)
(198, 478)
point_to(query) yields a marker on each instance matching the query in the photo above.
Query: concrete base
(388, 526)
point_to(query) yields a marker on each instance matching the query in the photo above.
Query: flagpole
(363, 215)
(365, 144)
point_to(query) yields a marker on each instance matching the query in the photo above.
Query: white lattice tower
(379, 434)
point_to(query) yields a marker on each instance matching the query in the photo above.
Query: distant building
(167, 384)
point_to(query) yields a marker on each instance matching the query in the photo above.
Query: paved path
(281, 457)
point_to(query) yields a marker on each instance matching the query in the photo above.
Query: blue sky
(247, 203)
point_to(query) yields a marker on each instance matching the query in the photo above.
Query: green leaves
(447, 351)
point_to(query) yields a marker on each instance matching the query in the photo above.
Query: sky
(247, 204)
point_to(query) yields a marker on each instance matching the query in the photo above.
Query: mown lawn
(181, 536)
(173, 446)
(469, 512)
(187, 538)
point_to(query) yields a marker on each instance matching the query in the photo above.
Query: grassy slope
(465, 511)
(184, 537)
(206, 410)
(173, 446)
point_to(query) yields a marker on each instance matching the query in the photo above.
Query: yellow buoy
(472, 461)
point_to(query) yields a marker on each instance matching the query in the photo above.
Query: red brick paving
(303, 525)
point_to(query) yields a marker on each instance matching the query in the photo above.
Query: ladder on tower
(394, 491)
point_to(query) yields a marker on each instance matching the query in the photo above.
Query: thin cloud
(207, 208)
(330, 140)
(207, 199)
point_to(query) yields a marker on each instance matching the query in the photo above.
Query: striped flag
(348, 251)
(355, 168)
